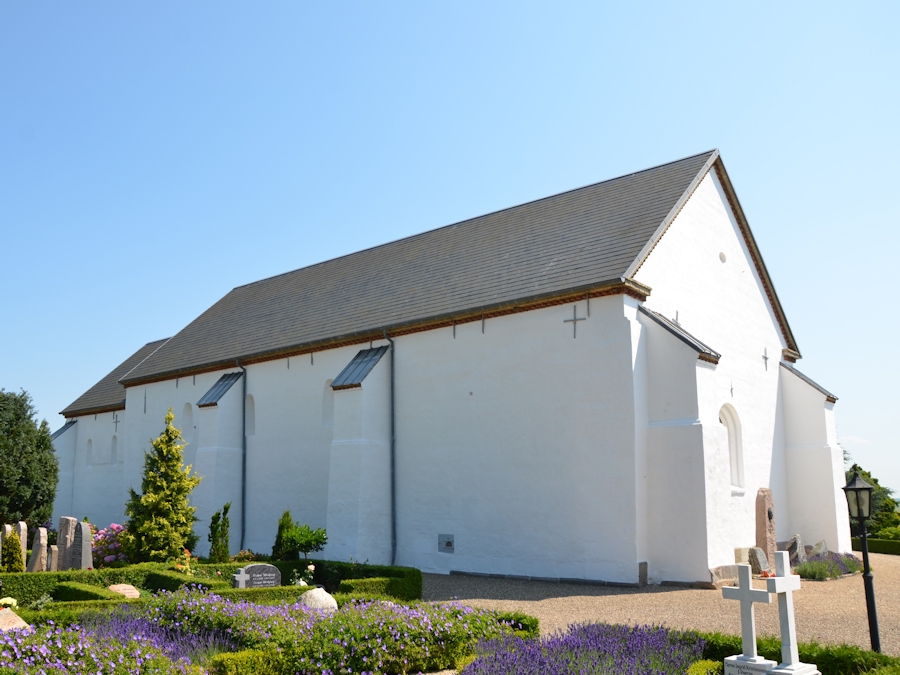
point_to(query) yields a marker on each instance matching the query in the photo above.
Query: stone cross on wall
(748, 662)
(784, 584)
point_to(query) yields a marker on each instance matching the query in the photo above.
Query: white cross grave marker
(784, 584)
(240, 579)
(749, 661)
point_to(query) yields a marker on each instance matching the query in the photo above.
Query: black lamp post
(859, 499)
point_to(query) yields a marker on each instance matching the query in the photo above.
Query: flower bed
(590, 649)
(828, 565)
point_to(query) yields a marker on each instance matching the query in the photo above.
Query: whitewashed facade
(545, 447)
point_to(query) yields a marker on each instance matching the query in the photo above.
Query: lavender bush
(590, 649)
(828, 565)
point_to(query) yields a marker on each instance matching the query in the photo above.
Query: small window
(729, 419)
(250, 416)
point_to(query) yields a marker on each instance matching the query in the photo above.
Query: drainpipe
(243, 453)
(393, 462)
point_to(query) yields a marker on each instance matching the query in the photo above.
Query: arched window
(114, 450)
(251, 415)
(328, 405)
(90, 452)
(729, 418)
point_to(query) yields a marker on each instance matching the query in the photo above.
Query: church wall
(814, 461)
(93, 475)
(517, 442)
(64, 447)
(724, 305)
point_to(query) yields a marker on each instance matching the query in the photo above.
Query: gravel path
(826, 611)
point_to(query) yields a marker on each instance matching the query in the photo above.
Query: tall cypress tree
(160, 519)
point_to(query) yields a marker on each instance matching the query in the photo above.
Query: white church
(590, 386)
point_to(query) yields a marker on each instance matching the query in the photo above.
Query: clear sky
(153, 157)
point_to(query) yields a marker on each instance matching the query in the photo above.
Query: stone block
(80, 554)
(53, 558)
(742, 556)
(9, 620)
(821, 548)
(127, 590)
(319, 598)
(765, 524)
(38, 560)
(796, 550)
(65, 534)
(21, 529)
(758, 561)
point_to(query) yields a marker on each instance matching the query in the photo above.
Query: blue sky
(154, 157)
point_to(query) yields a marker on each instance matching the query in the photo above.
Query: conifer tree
(11, 556)
(218, 535)
(160, 519)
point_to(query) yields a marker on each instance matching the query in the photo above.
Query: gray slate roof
(577, 239)
(360, 366)
(108, 394)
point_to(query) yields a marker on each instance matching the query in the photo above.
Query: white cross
(747, 595)
(240, 579)
(784, 584)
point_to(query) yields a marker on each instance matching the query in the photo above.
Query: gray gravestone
(4, 535)
(796, 550)
(64, 536)
(80, 555)
(765, 524)
(52, 558)
(259, 575)
(21, 529)
(819, 549)
(758, 561)
(38, 560)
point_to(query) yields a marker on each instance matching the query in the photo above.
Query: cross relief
(574, 321)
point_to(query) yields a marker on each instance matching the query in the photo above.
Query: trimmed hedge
(65, 613)
(247, 662)
(73, 591)
(830, 659)
(889, 546)
(26, 587)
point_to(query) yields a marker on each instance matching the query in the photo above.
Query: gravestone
(53, 558)
(783, 584)
(9, 620)
(21, 529)
(38, 560)
(765, 524)
(748, 662)
(80, 555)
(127, 590)
(758, 561)
(64, 536)
(259, 575)
(819, 549)
(796, 550)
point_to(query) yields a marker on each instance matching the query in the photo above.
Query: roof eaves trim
(617, 286)
(831, 398)
(704, 352)
(357, 370)
(63, 429)
(670, 217)
(219, 389)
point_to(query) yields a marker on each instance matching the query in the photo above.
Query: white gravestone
(748, 663)
(783, 585)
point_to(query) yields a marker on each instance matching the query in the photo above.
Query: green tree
(11, 556)
(884, 506)
(293, 538)
(29, 470)
(218, 535)
(308, 540)
(160, 519)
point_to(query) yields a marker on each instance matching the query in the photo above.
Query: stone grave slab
(38, 560)
(765, 524)
(258, 575)
(21, 529)
(65, 534)
(758, 561)
(53, 558)
(127, 590)
(80, 555)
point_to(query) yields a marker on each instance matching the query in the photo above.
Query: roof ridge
(478, 217)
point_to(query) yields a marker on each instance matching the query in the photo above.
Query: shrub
(889, 546)
(218, 535)
(161, 519)
(293, 538)
(11, 555)
(247, 662)
(828, 565)
(892, 533)
(107, 548)
(706, 667)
